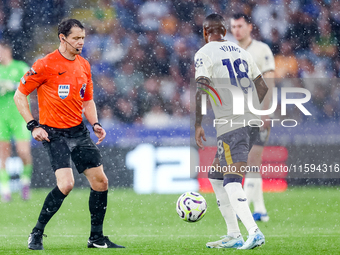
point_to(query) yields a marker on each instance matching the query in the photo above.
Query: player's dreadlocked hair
(214, 24)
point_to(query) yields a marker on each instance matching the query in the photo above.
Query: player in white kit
(228, 71)
(241, 28)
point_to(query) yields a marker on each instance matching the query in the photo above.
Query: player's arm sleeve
(89, 86)
(268, 61)
(203, 67)
(33, 78)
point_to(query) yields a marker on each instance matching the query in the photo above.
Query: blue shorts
(233, 147)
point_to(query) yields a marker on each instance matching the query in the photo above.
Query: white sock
(253, 230)
(253, 189)
(248, 187)
(225, 207)
(237, 198)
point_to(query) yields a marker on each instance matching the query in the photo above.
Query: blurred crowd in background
(142, 51)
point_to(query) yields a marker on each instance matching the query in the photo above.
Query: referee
(65, 90)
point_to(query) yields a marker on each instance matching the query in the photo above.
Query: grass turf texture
(302, 221)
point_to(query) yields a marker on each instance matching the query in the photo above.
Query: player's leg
(60, 157)
(6, 103)
(52, 203)
(24, 152)
(224, 205)
(97, 205)
(233, 150)
(87, 158)
(233, 239)
(238, 200)
(98, 199)
(16, 126)
(253, 180)
(5, 152)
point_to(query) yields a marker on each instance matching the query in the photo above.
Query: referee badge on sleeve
(63, 91)
(82, 91)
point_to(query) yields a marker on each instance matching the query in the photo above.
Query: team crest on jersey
(63, 91)
(82, 90)
(198, 63)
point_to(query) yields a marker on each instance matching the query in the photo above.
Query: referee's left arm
(90, 112)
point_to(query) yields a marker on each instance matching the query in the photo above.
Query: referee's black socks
(97, 206)
(51, 205)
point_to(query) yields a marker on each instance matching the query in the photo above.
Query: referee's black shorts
(71, 143)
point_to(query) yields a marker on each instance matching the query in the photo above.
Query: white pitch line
(269, 236)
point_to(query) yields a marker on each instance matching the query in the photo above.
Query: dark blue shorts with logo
(233, 147)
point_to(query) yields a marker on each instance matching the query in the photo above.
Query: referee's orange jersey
(62, 86)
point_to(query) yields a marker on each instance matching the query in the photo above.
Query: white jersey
(262, 55)
(226, 64)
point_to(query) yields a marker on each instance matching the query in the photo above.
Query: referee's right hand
(40, 134)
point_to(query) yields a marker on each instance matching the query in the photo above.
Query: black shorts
(262, 137)
(233, 147)
(72, 143)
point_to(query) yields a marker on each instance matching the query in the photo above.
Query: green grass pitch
(302, 221)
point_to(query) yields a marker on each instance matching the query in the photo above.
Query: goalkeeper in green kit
(12, 125)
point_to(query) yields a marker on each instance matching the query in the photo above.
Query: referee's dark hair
(214, 24)
(242, 15)
(66, 25)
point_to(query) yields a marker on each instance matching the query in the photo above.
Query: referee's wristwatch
(97, 123)
(31, 125)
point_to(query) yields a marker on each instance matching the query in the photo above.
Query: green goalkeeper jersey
(10, 76)
(12, 125)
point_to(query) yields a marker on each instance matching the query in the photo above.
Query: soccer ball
(191, 206)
